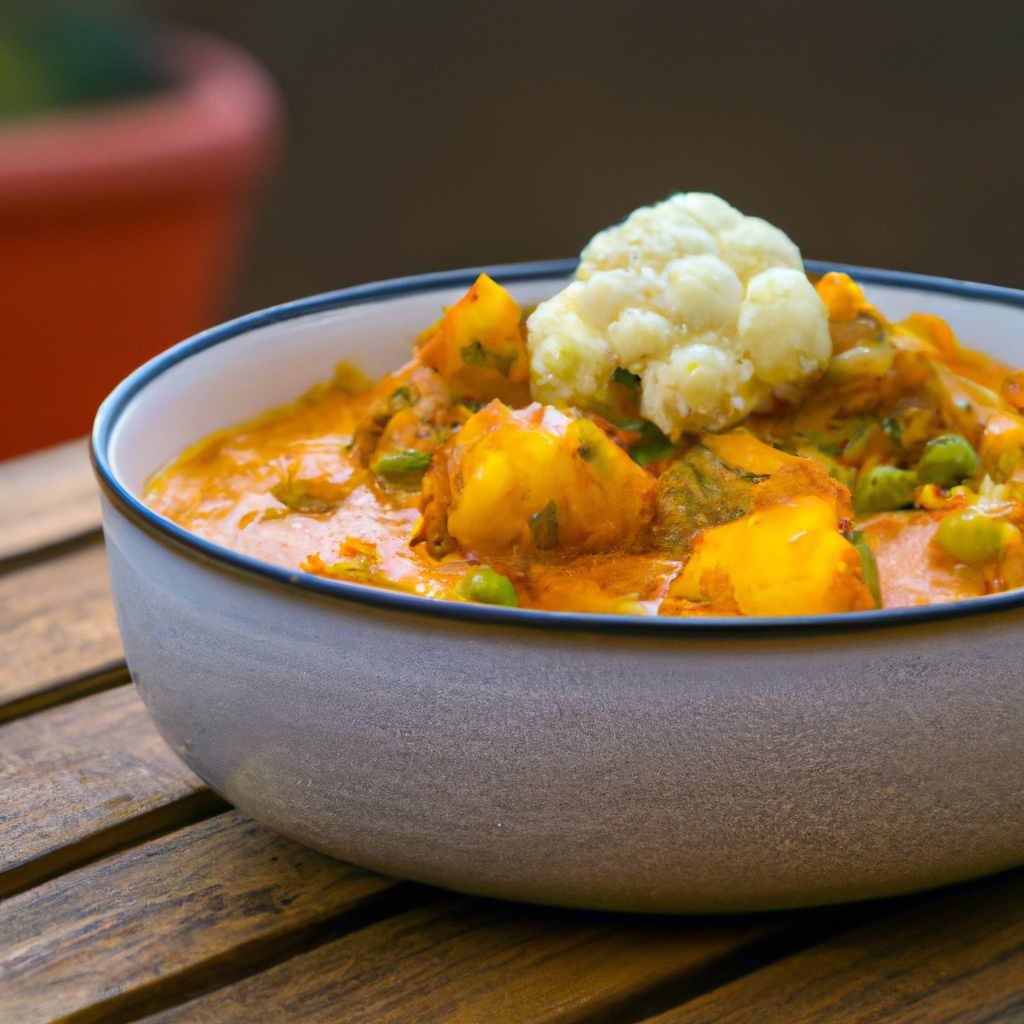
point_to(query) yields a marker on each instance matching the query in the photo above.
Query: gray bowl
(580, 760)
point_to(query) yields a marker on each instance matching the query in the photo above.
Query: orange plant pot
(120, 230)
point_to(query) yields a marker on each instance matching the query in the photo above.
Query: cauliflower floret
(782, 329)
(709, 308)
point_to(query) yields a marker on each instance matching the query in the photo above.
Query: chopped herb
(400, 398)
(630, 381)
(856, 442)
(848, 440)
(867, 563)
(653, 445)
(892, 428)
(544, 527)
(474, 354)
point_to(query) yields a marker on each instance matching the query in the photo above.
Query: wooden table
(129, 891)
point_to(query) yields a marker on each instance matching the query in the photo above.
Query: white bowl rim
(170, 534)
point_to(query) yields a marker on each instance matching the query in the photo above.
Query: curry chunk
(537, 480)
(788, 559)
(729, 476)
(478, 347)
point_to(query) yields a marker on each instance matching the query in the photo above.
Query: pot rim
(197, 548)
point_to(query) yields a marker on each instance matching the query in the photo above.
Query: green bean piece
(486, 586)
(544, 527)
(947, 460)
(867, 563)
(884, 489)
(409, 460)
(970, 536)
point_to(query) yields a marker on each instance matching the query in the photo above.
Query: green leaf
(654, 445)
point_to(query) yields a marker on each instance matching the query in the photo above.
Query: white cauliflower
(710, 308)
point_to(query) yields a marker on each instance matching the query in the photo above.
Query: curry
(894, 478)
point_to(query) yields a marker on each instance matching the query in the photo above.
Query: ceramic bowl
(609, 762)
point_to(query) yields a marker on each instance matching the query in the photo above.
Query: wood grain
(957, 956)
(83, 778)
(477, 960)
(46, 498)
(166, 920)
(58, 631)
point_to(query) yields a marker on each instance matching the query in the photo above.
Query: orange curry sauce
(445, 466)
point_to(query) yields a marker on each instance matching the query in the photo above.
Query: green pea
(947, 460)
(883, 489)
(407, 461)
(970, 536)
(872, 359)
(488, 587)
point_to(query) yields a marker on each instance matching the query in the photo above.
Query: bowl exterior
(702, 772)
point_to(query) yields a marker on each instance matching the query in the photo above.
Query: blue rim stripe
(196, 547)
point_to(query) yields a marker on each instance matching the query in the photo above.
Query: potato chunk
(537, 480)
(478, 347)
(787, 559)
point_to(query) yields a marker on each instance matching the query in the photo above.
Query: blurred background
(431, 136)
(426, 136)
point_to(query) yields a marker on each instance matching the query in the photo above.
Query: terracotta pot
(120, 229)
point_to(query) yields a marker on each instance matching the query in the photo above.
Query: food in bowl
(690, 428)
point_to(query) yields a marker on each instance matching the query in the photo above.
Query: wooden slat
(958, 956)
(58, 632)
(163, 921)
(83, 778)
(46, 498)
(474, 960)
